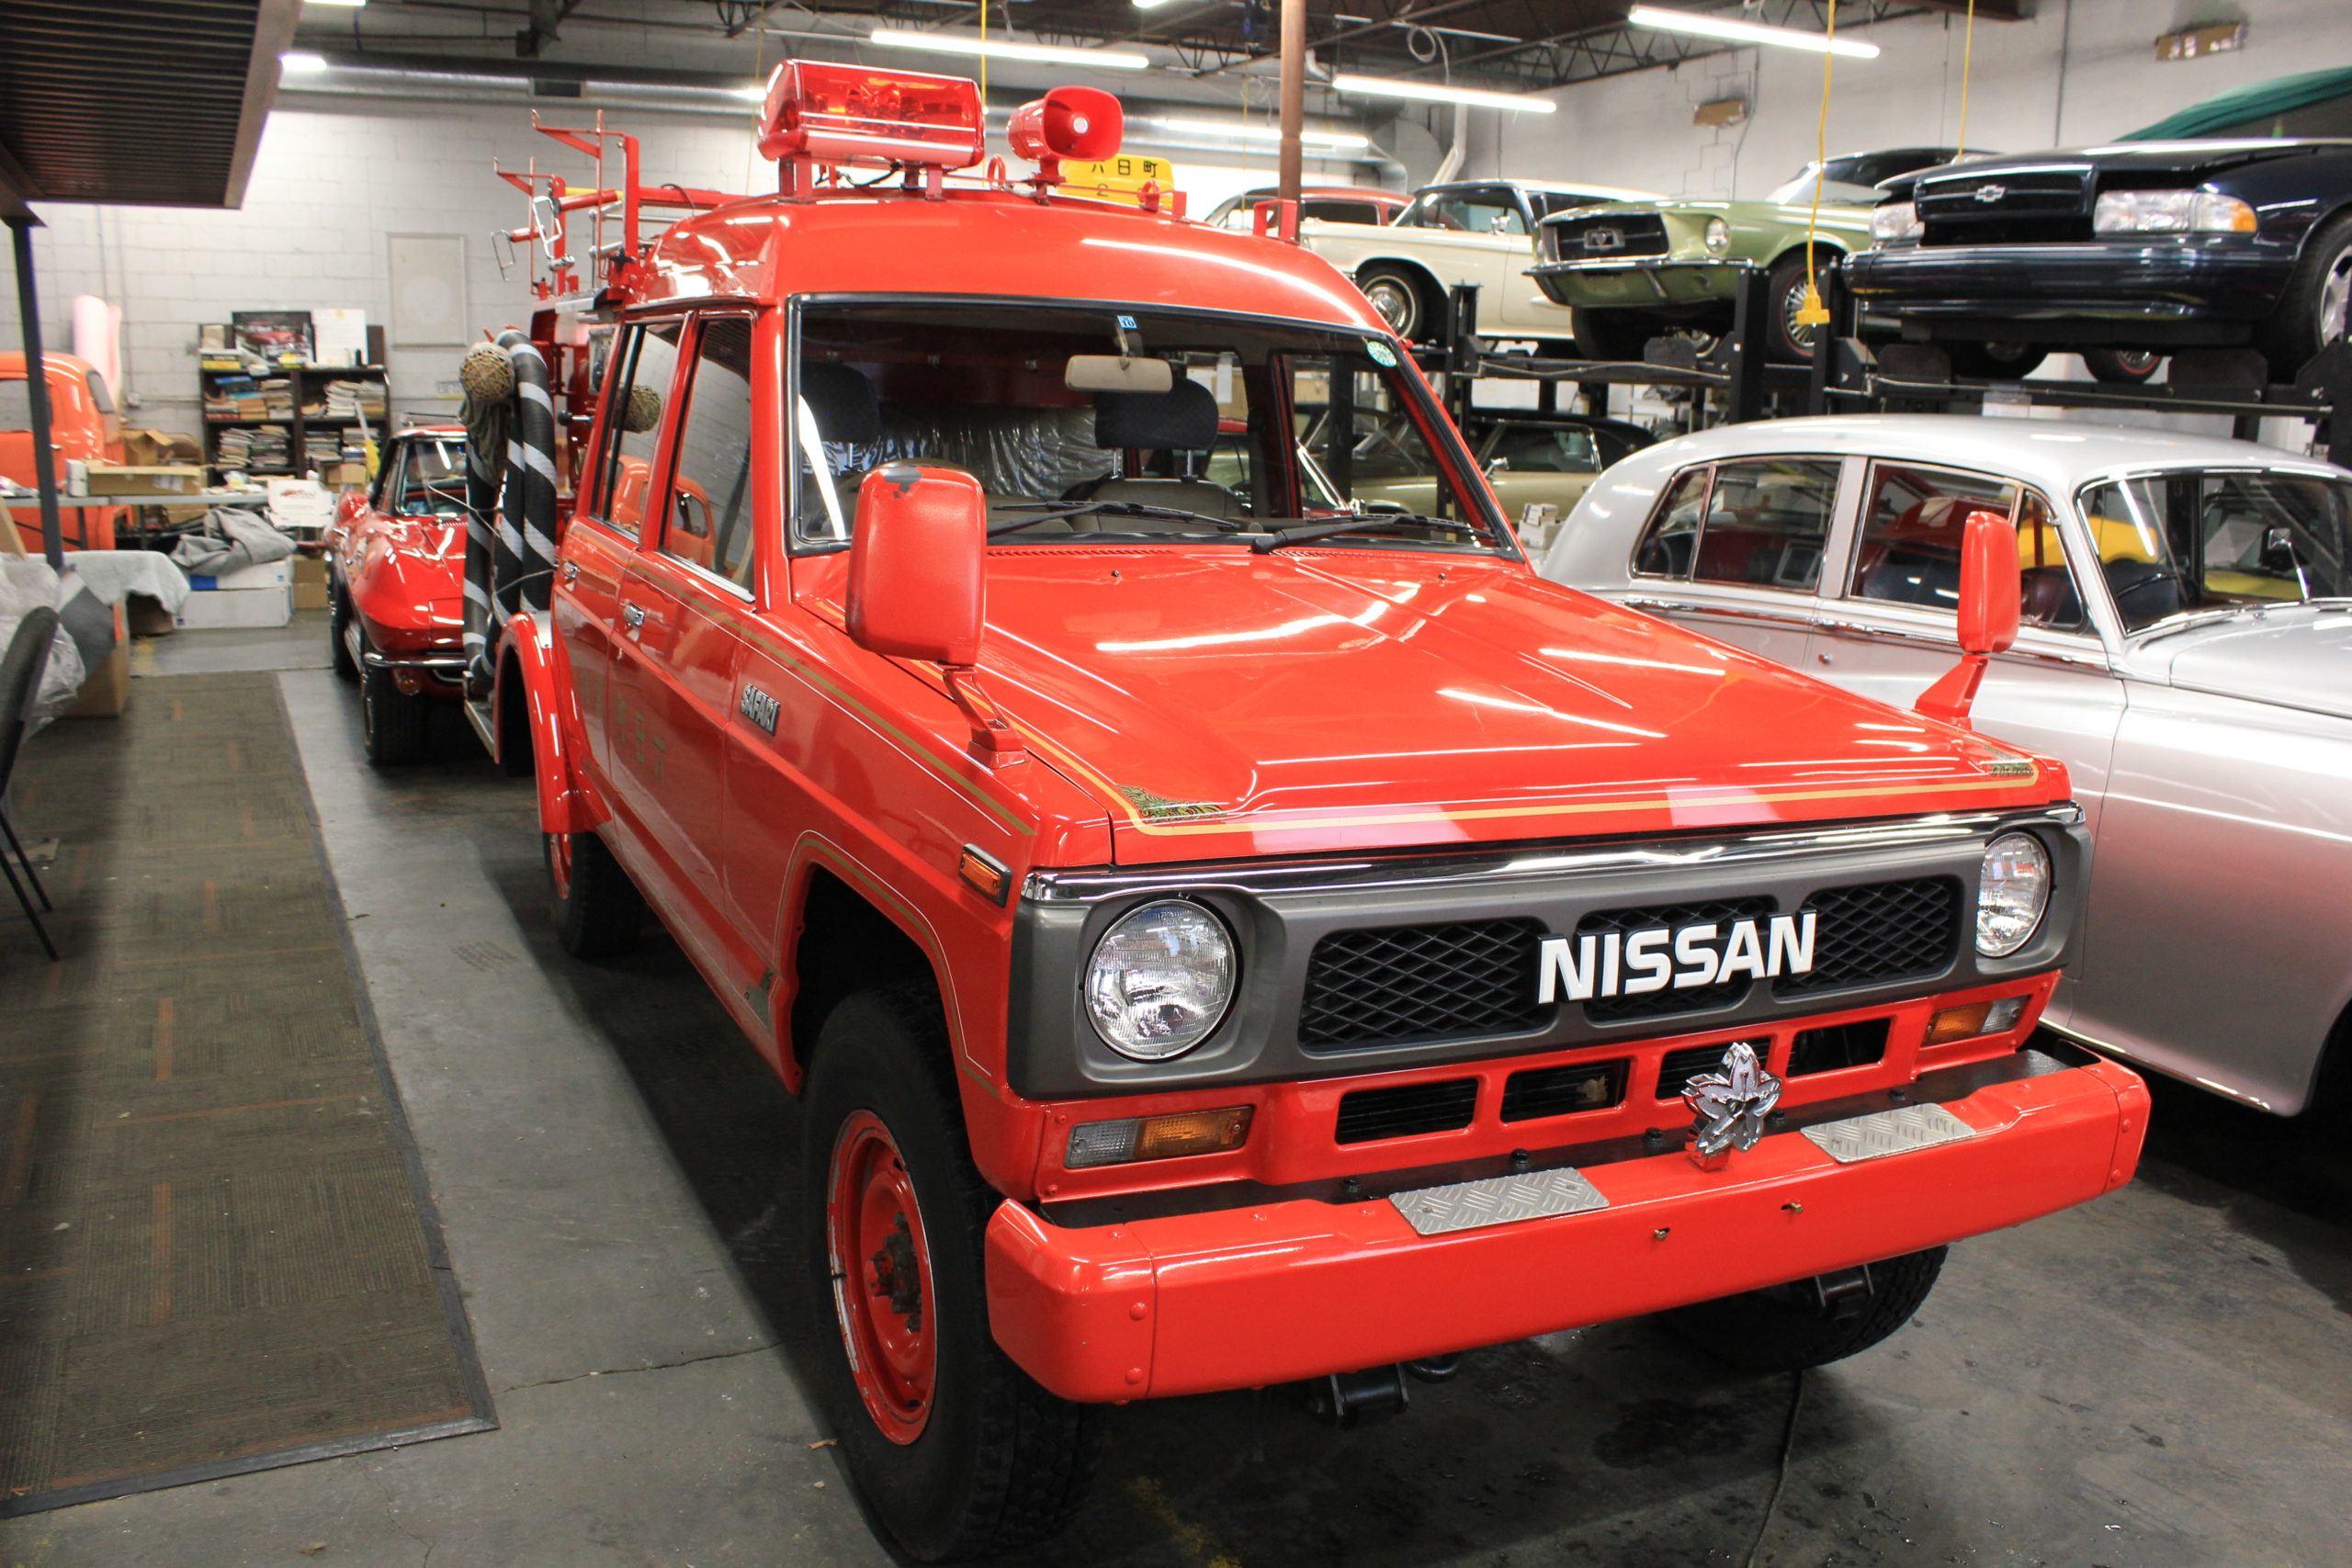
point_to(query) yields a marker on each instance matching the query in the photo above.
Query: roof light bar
(949, 43)
(1746, 32)
(1431, 91)
(1262, 132)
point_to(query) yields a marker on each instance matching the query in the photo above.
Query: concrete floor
(2159, 1380)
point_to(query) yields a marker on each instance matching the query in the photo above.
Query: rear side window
(1909, 549)
(711, 491)
(633, 424)
(1760, 523)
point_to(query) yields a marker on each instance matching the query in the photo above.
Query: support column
(1294, 99)
(20, 227)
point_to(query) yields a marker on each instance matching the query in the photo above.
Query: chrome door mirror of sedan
(1989, 587)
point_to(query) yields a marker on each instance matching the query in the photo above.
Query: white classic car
(2185, 648)
(1478, 231)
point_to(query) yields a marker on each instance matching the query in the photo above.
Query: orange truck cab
(395, 557)
(1226, 932)
(83, 427)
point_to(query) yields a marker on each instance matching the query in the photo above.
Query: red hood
(1222, 702)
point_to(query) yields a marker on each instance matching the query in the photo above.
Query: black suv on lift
(2124, 253)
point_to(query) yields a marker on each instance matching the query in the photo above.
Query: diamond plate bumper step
(1883, 1133)
(1497, 1200)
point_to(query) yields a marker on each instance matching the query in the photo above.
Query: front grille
(1415, 982)
(1446, 1106)
(1677, 1068)
(1878, 933)
(1584, 239)
(2030, 204)
(1835, 1045)
(1670, 1002)
(1561, 1091)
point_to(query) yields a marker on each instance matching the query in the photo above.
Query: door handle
(633, 616)
(570, 573)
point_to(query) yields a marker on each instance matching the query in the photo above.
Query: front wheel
(1396, 294)
(339, 633)
(957, 1451)
(2316, 309)
(2122, 366)
(1787, 339)
(392, 722)
(1811, 1323)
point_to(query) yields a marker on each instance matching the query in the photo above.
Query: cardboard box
(309, 595)
(106, 480)
(339, 475)
(270, 574)
(147, 616)
(214, 609)
(107, 691)
(309, 568)
(150, 449)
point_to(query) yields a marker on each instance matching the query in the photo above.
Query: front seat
(1182, 419)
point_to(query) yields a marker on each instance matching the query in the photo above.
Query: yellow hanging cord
(1814, 313)
(1967, 61)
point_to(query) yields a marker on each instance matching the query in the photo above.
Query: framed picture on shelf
(275, 335)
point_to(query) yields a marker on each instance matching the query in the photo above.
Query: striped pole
(525, 538)
(489, 382)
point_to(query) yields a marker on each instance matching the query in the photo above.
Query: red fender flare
(567, 804)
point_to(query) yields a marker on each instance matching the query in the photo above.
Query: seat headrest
(1183, 419)
(847, 411)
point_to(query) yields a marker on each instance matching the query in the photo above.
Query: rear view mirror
(1989, 591)
(916, 562)
(1116, 373)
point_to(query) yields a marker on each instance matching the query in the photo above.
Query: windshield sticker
(1382, 355)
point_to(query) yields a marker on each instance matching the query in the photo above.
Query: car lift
(1735, 383)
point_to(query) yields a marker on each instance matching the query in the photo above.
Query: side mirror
(916, 563)
(1989, 584)
(2278, 551)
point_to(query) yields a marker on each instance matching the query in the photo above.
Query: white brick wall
(1635, 130)
(326, 189)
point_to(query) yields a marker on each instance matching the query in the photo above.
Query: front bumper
(1192, 1302)
(1648, 283)
(2193, 289)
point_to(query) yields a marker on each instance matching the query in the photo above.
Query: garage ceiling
(146, 102)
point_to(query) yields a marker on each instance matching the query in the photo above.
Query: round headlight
(2012, 890)
(1718, 236)
(1160, 980)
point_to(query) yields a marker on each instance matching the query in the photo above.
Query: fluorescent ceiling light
(301, 61)
(1746, 32)
(755, 93)
(949, 43)
(346, 5)
(1430, 91)
(1262, 132)
(1150, 5)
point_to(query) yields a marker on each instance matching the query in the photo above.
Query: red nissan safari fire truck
(1225, 931)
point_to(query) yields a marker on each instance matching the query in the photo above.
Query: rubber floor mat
(216, 1254)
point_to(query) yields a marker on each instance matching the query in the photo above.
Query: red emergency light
(1069, 122)
(848, 114)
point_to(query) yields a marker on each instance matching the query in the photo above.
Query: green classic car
(1634, 270)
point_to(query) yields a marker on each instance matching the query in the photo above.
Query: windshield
(431, 481)
(1854, 178)
(1244, 443)
(2170, 543)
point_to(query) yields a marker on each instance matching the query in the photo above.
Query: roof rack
(615, 240)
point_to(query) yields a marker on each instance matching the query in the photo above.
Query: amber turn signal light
(1968, 1022)
(984, 874)
(1156, 1137)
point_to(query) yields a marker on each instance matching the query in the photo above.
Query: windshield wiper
(1054, 510)
(1363, 523)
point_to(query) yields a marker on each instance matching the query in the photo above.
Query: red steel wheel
(880, 1263)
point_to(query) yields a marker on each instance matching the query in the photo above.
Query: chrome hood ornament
(1729, 1108)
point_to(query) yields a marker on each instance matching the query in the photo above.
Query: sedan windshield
(1143, 426)
(2208, 539)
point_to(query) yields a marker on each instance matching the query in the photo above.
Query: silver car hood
(2298, 656)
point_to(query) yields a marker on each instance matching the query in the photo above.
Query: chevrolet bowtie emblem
(1989, 194)
(1729, 1108)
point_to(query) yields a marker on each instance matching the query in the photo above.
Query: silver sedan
(2185, 650)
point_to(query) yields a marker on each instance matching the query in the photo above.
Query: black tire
(1615, 334)
(1785, 1328)
(392, 723)
(598, 910)
(998, 1464)
(1785, 341)
(338, 621)
(1402, 299)
(1995, 361)
(2123, 366)
(2316, 307)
